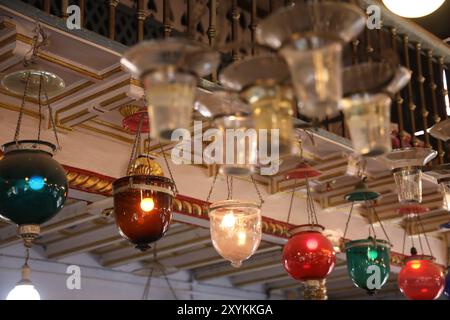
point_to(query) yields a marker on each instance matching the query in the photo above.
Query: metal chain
(168, 168)
(258, 192)
(40, 106)
(22, 108)
(53, 122)
(134, 147)
(212, 186)
(381, 223)
(348, 220)
(425, 235)
(291, 203)
(27, 256)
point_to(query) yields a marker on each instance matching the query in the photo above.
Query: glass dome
(235, 229)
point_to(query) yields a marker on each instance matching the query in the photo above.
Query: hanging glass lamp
(33, 186)
(143, 203)
(235, 229)
(421, 278)
(263, 82)
(308, 254)
(368, 263)
(169, 70)
(310, 36)
(406, 165)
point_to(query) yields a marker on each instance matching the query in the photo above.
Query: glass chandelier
(369, 256)
(169, 70)
(310, 36)
(406, 165)
(236, 225)
(143, 198)
(264, 83)
(420, 278)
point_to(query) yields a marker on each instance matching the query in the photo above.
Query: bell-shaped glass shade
(316, 70)
(421, 279)
(308, 254)
(368, 263)
(366, 77)
(407, 166)
(143, 208)
(33, 186)
(24, 291)
(339, 21)
(169, 70)
(235, 229)
(217, 104)
(262, 83)
(237, 149)
(51, 85)
(369, 121)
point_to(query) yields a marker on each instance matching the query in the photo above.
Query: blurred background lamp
(413, 8)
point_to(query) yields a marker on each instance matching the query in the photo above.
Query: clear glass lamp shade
(445, 190)
(235, 229)
(24, 291)
(239, 152)
(316, 69)
(369, 121)
(441, 130)
(407, 166)
(51, 86)
(169, 70)
(340, 21)
(261, 82)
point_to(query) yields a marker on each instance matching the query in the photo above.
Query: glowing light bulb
(23, 292)
(413, 8)
(242, 238)
(415, 265)
(228, 221)
(312, 244)
(372, 254)
(147, 204)
(36, 183)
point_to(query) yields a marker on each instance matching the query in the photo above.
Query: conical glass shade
(337, 20)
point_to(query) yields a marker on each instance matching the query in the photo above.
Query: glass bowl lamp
(413, 8)
(24, 289)
(420, 278)
(143, 203)
(235, 229)
(263, 83)
(308, 254)
(310, 37)
(33, 185)
(406, 165)
(368, 263)
(169, 70)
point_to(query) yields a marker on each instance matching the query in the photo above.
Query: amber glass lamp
(169, 70)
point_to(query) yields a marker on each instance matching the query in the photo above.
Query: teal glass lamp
(33, 186)
(368, 263)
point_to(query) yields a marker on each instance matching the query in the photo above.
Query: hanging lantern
(235, 229)
(143, 203)
(33, 186)
(308, 254)
(309, 37)
(263, 83)
(421, 278)
(368, 263)
(24, 289)
(406, 165)
(367, 259)
(169, 70)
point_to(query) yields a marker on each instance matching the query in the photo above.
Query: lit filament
(147, 204)
(415, 265)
